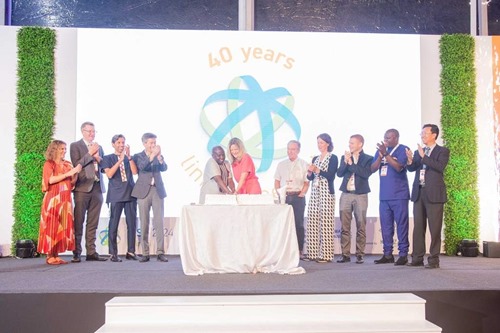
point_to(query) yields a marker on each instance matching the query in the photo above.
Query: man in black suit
(428, 195)
(150, 192)
(87, 192)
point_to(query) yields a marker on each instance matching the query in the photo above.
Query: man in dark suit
(355, 170)
(150, 192)
(428, 195)
(88, 191)
(119, 167)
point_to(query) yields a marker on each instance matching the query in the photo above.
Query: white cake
(255, 199)
(220, 199)
(239, 199)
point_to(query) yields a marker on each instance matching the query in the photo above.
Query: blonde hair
(50, 153)
(239, 144)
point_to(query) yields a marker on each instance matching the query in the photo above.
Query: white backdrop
(136, 81)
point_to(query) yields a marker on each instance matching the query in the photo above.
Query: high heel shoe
(131, 256)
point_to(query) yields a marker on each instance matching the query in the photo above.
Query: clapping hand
(382, 149)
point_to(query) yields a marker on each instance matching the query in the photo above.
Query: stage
(462, 296)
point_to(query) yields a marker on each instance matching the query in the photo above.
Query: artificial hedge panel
(35, 125)
(458, 122)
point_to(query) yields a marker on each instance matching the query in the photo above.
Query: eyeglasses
(89, 131)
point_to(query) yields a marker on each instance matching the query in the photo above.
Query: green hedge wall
(35, 126)
(458, 121)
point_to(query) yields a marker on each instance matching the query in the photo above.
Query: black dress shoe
(95, 257)
(115, 259)
(401, 261)
(162, 257)
(76, 258)
(144, 259)
(344, 259)
(131, 256)
(415, 263)
(429, 265)
(359, 259)
(385, 260)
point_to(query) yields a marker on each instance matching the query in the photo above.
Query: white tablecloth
(238, 239)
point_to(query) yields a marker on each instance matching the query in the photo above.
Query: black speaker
(25, 248)
(491, 249)
(468, 248)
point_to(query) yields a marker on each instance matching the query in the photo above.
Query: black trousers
(117, 208)
(298, 205)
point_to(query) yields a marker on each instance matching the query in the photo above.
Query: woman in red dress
(243, 168)
(56, 222)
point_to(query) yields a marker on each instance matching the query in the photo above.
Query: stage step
(348, 313)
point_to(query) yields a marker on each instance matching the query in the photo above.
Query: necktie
(122, 172)
(426, 152)
(96, 166)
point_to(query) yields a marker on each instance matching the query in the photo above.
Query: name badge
(422, 176)
(383, 171)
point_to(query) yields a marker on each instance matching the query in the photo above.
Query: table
(238, 239)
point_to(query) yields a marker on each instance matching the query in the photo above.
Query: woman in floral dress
(56, 222)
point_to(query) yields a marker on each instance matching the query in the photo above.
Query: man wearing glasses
(428, 195)
(88, 192)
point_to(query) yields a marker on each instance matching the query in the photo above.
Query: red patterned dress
(56, 222)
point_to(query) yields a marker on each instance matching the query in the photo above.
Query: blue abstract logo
(273, 108)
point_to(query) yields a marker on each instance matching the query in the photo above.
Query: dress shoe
(95, 257)
(385, 260)
(359, 259)
(162, 257)
(76, 258)
(131, 256)
(322, 261)
(429, 265)
(401, 261)
(344, 259)
(304, 258)
(144, 259)
(115, 259)
(415, 264)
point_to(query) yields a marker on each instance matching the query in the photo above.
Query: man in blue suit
(150, 192)
(428, 195)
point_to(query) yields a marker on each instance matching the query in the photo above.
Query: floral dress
(56, 222)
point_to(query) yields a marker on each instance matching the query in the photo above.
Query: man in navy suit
(428, 195)
(119, 167)
(87, 192)
(150, 192)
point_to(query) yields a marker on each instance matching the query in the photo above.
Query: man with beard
(217, 177)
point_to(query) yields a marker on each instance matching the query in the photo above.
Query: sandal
(52, 261)
(60, 261)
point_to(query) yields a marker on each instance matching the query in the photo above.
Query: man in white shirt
(291, 174)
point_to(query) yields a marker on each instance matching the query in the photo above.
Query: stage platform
(462, 296)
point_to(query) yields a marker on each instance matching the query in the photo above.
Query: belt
(293, 193)
(351, 192)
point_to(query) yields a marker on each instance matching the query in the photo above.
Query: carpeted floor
(456, 273)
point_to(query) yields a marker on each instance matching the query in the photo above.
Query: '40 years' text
(246, 54)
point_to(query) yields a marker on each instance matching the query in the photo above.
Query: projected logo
(259, 118)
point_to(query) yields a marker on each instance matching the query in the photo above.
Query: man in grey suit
(88, 192)
(428, 195)
(150, 192)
